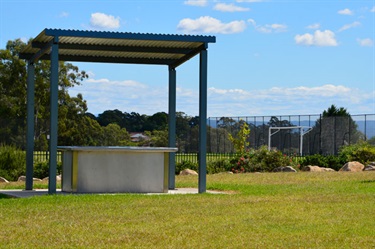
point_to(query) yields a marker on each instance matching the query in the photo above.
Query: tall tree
(336, 128)
(13, 96)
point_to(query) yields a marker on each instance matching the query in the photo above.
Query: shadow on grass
(3, 196)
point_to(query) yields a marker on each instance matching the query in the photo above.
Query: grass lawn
(270, 210)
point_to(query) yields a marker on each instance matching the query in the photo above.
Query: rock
(284, 169)
(2, 179)
(353, 167)
(58, 178)
(328, 169)
(311, 168)
(369, 168)
(314, 168)
(188, 172)
(23, 179)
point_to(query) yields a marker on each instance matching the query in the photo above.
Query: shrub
(362, 152)
(317, 160)
(265, 160)
(329, 161)
(41, 169)
(185, 165)
(260, 160)
(221, 165)
(12, 162)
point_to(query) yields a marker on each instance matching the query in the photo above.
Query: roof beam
(34, 57)
(112, 59)
(189, 55)
(119, 48)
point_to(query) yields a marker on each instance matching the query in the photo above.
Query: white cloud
(319, 38)
(268, 28)
(314, 26)
(64, 14)
(207, 24)
(249, 1)
(101, 20)
(345, 12)
(367, 42)
(229, 8)
(113, 83)
(132, 96)
(200, 3)
(276, 100)
(349, 26)
(373, 9)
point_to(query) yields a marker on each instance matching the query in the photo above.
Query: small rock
(328, 169)
(369, 168)
(311, 168)
(353, 167)
(23, 179)
(188, 172)
(2, 179)
(314, 168)
(284, 169)
(58, 178)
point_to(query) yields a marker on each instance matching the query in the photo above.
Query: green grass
(270, 210)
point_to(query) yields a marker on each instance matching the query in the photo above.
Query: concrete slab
(19, 193)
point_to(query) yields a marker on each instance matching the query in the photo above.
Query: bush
(330, 161)
(265, 160)
(12, 163)
(221, 165)
(260, 160)
(185, 165)
(41, 169)
(362, 152)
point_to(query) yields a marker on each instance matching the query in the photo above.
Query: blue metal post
(30, 126)
(202, 121)
(172, 126)
(54, 115)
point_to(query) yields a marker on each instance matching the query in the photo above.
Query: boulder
(353, 167)
(186, 172)
(284, 169)
(311, 168)
(315, 168)
(2, 179)
(23, 179)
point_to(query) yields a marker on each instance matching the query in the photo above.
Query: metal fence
(324, 135)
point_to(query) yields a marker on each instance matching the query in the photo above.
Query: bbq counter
(115, 169)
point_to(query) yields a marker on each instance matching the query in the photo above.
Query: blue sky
(270, 57)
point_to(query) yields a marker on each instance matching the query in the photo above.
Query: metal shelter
(115, 47)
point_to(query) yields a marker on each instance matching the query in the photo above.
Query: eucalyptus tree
(13, 99)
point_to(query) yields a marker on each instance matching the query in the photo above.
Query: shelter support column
(54, 116)
(172, 126)
(30, 125)
(202, 121)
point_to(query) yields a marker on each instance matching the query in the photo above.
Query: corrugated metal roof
(116, 47)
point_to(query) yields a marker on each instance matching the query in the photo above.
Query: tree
(158, 121)
(336, 128)
(240, 142)
(114, 135)
(13, 96)
(111, 117)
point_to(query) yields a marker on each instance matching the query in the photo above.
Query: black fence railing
(320, 135)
